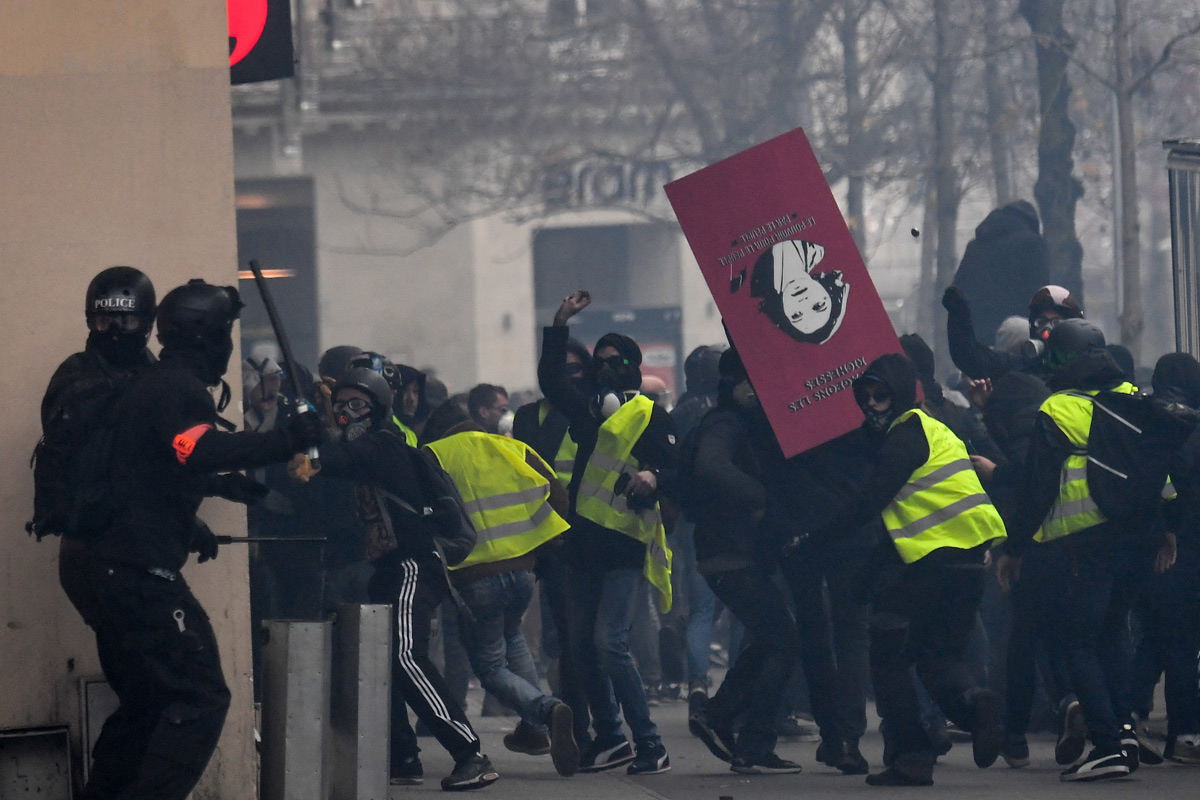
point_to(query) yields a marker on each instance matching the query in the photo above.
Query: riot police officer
(155, 643)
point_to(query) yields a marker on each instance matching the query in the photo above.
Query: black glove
(305, 431)
(204, 542)
(955, 301)
(237, 488)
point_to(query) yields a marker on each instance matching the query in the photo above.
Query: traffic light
(260, 40)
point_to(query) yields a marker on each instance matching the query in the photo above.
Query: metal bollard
(295, 710)
(361, 711)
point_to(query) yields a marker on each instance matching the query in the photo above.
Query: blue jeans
(701, 603)
(602, 607)
(497, 649)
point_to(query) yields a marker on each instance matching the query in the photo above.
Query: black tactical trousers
(159, 655)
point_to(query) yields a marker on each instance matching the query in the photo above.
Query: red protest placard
(790, 283)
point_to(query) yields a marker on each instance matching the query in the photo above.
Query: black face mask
(119, 348)
(878, 421)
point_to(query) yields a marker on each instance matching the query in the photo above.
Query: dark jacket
(1003, 266)
(168, 449)
(732, 450)
(1049, 448)
(588, 545)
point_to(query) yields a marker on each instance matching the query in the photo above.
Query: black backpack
(1131, 443)
(446, 520)
(75, 493)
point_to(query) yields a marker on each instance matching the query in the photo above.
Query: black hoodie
(900, 452)
(1003, 266)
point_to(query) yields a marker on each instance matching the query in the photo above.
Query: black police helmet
(198, 315)
(1070, 338)
(369, 382)
(121, 290)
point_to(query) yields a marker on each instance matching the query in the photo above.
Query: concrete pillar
(115, 148)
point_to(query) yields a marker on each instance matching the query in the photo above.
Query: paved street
(696, 775)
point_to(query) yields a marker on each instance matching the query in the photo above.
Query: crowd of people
(949, 558)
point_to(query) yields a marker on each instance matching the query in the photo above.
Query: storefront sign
(603, 183)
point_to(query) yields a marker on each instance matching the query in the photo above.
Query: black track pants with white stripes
(415, 589)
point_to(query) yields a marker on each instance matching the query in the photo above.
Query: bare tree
(1057, 190)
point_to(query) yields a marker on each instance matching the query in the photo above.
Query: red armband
(185, 442)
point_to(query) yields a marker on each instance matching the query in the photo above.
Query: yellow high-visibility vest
(410, 435)
(597, 500)
(1074, 509)
(564, 459)
(943, 504)
(507, 500)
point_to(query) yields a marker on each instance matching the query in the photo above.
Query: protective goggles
(122, 323)
(355, 405)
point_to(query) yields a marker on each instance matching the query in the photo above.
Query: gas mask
(607, 403)
(354, 417)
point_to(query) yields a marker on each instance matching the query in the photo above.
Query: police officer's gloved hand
(237, 488)
(955, 301)
(204, 542)
(305, 431)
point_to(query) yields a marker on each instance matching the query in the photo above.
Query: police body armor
(943, 504)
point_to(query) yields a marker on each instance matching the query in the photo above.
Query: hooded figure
(939, 523)
(1004, 264)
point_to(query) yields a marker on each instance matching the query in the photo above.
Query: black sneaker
(527, 740)
(852, 761)
(987, 731)
(909, 769)
(602, 755)
(829, 751)
(1129, 746)
(651, 759)
(1148, 750)
(1015, 750)
(564, 752)
(719, 741)
(1098, 766)
(1072, 736)
(407, 772)
(770, 764)
(473, 772)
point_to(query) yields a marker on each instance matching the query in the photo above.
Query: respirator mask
(354, 417)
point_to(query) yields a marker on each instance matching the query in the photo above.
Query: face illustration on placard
(806, 304)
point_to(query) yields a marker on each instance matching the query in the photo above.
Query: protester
(930, 573)
(734, 446)
(517, 506)
(626, 444)
(1005, 263)
(408, 572)
(1084, 558)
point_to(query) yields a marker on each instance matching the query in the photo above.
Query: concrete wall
(115, 148)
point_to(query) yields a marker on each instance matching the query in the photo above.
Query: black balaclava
(625, 378)
(900, 377)
(122, 349)
(585, 359)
